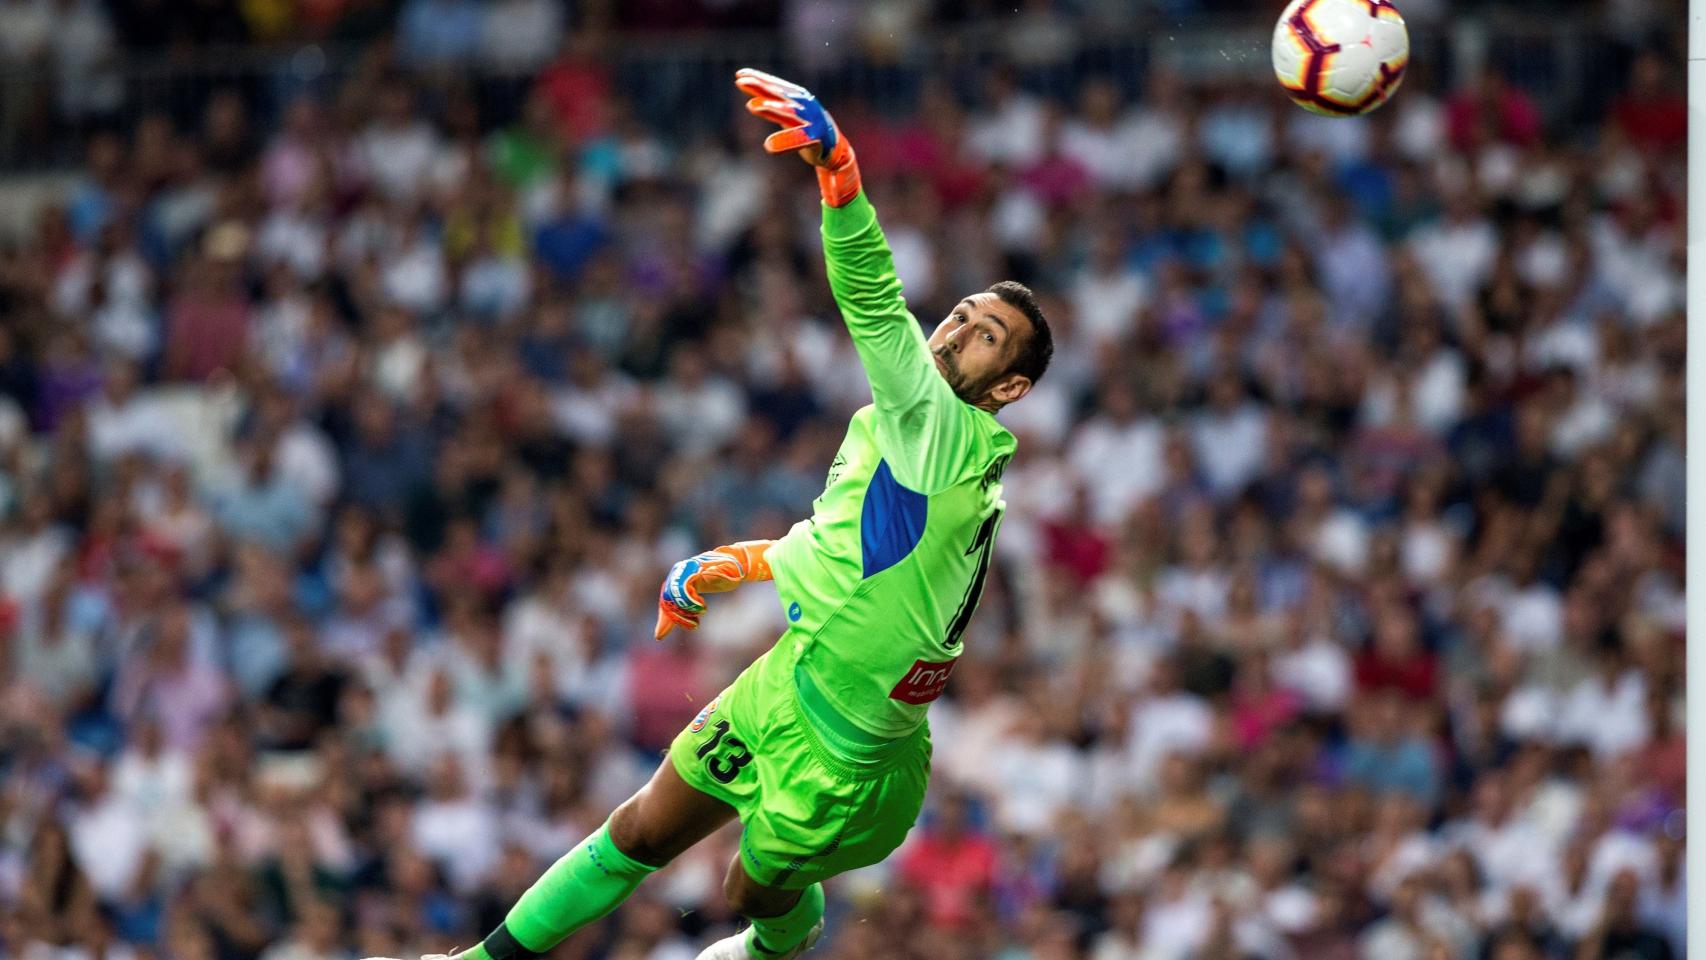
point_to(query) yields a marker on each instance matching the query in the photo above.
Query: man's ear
(1009, 388)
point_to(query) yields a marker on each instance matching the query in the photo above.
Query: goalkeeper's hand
(806, 127)
(681, 602)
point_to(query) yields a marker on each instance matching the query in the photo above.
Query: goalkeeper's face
(975, 348)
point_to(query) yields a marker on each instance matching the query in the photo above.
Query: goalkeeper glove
(681, 602)
(806, 127)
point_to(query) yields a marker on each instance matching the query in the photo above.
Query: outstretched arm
(920, 422)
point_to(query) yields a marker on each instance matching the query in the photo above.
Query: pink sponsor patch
(923, 683)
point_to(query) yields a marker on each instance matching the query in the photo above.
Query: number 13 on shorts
(722, 754)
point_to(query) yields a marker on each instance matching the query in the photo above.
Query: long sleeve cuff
(850, 220)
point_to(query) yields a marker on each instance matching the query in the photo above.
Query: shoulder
(984, 450)
(996, 442)
(994, 468)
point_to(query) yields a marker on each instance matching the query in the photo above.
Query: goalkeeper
(820, 747)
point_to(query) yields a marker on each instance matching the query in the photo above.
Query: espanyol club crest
(704, 715)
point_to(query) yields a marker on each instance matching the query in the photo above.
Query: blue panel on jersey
(893, 521)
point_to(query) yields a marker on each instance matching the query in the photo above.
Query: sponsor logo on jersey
(923, 683)
(992, 475)
(704, 715)
(835, 467)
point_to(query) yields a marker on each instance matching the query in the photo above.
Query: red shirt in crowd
(916, 147)
(1510, 114)
(1077, 547)
(1257, 715)
(666, 688)
(1415, 676)
(578, 91)
(1655, 123)
(954, 875)
(205, 334)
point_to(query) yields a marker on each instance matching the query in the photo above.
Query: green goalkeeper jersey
(879, 584)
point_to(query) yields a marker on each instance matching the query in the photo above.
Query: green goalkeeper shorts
(808, 811)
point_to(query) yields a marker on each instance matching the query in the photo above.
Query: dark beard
(957, 381)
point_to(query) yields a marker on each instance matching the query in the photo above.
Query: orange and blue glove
(806, 127)
(681, 602)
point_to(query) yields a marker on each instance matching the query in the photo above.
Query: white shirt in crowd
(1511, 853)
(1637, 268)
(135, 424)
(460, 833)
(495, 286)
(296, 239)
(1121, 464)
(416, 277)
(1105, 304)
(587, 413)
(1435, 396)
(702, 416)
(1011, 134)
(1032, 781)
(1164, 725)
(1153, 142)
(305, 457)
(1532, 617)
(57, 666)
(28, 559)
(520, 34)
(1457, 257)
(399, 157)
(1230, 446)
(1585, 424)
(1199, 590)
(1609, 720)
(914, 260)
(1131, 155)
(108, 841)
(414, 736)
(534, 627)
(1319, 671)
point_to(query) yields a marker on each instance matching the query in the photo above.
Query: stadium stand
(364, 365)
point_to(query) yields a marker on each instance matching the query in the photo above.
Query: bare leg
(665, 818)
(749, 898)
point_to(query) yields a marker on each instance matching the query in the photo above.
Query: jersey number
(981, 545)
(724, 770)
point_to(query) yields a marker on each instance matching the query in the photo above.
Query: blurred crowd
(345, 438)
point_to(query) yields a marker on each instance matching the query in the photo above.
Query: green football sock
(773, 936)
(587, 883)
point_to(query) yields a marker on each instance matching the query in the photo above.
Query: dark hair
(1037, 349)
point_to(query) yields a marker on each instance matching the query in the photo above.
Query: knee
(636, 838)
(742, 898)
(749, 899)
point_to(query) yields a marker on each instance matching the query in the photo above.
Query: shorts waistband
(852, 747)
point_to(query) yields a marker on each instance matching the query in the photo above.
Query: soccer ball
(1340, 58)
